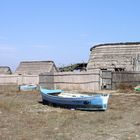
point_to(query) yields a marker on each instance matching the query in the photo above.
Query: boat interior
(71, 95)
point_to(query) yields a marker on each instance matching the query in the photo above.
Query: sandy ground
(24, 117)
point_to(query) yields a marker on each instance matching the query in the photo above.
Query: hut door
(106, 79)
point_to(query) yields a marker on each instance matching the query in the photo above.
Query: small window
(119, 69)
(103, 69)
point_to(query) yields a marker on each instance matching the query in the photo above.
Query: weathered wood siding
(106, 79)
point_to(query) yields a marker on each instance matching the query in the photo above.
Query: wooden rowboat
(27, 87)
(74, 100)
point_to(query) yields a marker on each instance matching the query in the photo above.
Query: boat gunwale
(92, 97)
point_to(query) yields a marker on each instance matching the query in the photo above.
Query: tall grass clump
(125, 87)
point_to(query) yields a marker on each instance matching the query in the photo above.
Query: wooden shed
(115, 56)
(35, 67)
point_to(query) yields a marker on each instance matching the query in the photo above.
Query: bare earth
(24, 117)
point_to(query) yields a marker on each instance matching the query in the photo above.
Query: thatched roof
(115, 56)
(5, 70)
(35, 67)
(121, 43)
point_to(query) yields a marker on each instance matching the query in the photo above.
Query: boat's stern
(100, 102)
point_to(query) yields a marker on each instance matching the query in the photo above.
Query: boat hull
(96, 102)
(27, 87)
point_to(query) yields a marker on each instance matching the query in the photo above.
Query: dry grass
(23, 117)
(125, 87)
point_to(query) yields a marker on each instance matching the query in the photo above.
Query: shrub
(126, 87)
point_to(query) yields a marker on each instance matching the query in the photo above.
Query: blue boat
(29, 87)
(74, 100)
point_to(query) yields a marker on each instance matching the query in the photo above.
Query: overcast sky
(63, 30)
